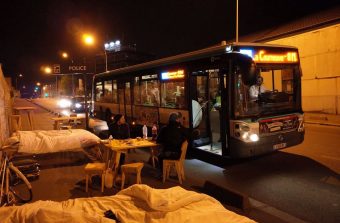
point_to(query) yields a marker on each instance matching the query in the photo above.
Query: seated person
(257, 89)
(171, 138)
(119, 129)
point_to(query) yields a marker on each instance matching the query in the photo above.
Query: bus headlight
(254, 137)
(246, 132)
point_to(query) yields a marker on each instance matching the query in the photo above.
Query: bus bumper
(266, 144)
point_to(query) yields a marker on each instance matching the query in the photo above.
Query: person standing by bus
(119, 129)
(171, 138)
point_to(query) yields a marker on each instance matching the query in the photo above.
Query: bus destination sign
(173, 75)
(262, 56)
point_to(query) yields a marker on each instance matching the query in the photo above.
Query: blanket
(138, 203)
(51, 141)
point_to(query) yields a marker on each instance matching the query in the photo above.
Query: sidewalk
(322, 119)
(197, 174)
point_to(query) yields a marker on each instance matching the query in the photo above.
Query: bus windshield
(273, 91)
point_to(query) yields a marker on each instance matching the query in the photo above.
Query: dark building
(121, 57)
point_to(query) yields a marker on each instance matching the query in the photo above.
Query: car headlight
(64, 103)
(77, 105)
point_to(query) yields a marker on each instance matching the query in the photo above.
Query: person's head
(173, 118)
(259, 80)
(119, 119)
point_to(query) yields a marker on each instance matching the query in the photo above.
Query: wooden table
(121, 146)
(59, 120)
(29, 111)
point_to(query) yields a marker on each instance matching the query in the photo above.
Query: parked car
(78, 104)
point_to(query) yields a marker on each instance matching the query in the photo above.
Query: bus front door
(206, 108)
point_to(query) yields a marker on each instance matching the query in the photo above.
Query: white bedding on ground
(138, 203)
(41, 141)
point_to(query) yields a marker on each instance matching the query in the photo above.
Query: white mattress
(138, 203)
(51, 141)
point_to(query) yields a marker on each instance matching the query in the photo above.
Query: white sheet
(51, 141)
(138, 203)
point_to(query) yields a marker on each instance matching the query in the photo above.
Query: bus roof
(210, 51)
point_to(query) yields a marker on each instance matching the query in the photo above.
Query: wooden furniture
(153, 156)
(178, 164)
(132, 168)
(122, 146)
(95, 169)
(15, 123)
(58, 121)
(30, 113)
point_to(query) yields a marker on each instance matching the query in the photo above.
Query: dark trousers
(168, 155)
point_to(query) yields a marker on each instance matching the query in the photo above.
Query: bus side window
(173, 94)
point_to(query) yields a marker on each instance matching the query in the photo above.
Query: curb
(323, 123)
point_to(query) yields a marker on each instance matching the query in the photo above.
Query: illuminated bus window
(99, 91)
(114, 92)
(150, 93)
(136, 91)
(107, 91)
(173, 95)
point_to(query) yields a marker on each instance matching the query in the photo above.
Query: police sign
(77, 68)
(72, 68)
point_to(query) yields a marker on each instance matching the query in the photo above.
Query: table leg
(115, 159)
(30, 119)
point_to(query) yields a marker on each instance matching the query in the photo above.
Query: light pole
(111, 46)
(16, 80)
(236, 21)
(88, 40)
(48, 70)
(65, 56)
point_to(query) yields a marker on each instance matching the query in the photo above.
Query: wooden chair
(15, 121)
(153, 155)
(95, 169)
(132, 168)
(178, 164)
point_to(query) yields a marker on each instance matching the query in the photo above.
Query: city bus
(210, 88)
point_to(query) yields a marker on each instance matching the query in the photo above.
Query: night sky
(34, 32)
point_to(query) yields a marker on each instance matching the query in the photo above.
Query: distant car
(78, 104)
(64, 102)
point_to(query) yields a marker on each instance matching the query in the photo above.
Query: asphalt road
(302, 181)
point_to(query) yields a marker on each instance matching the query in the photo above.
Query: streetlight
(64, 55)
(111, 46)
(48, 70)
(88, 40)
(16, 80)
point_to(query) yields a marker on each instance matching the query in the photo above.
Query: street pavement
(268, 185)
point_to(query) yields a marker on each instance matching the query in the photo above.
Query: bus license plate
(280, 146)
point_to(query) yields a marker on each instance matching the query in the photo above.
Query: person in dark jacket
(119, 129)
(171, 138)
